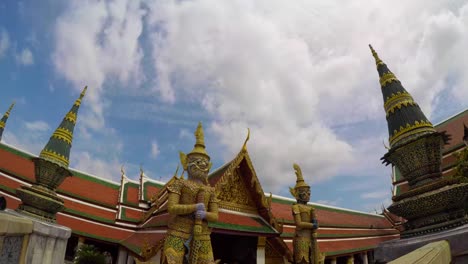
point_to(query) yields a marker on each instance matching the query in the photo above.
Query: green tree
(89, 254)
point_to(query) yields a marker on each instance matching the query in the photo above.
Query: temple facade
(128, 219)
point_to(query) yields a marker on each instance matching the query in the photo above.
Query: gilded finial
(378, 61)
(299, 180)
(199, 147)
(298, 172)
(142, 172)
(9, 109)
(122, 170)
(177, 170)
(244, 147)
(183, 160)
(199, 136)
(82, 94)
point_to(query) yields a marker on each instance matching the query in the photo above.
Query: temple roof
(4, 119)
(405, 119)
(58, 148)
(91, 214)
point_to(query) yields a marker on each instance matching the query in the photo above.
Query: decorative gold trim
(2, 124)
(400, 104)
(396, 97)
(406, 130)
(48, 154)
(82, 94)
(237, 207)
(71, 117)
(63, 134)
(387, 78)
(78, 102)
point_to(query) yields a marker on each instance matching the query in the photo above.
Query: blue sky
(299, 75)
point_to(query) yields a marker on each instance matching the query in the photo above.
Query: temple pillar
(365, 260)
(130, 259)
(333, 260)
(261, 250)
(122, 257)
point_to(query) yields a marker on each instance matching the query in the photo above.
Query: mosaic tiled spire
(58, 148)
(405, 119)
(4, 119)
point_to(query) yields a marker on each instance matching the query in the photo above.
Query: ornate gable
(239, 189)
(233, 193)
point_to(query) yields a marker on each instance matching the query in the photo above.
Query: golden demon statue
(304, 243)
(192, 204)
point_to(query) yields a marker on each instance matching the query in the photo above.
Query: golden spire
(4, 119)
(9, 109)
(378, 61)
(82, 94)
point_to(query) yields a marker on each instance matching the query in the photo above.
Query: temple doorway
(234, 249)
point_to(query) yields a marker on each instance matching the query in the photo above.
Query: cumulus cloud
(97, 41)
(25, 57)
(88, 162)
(154, 149)
(4, 42)
(293, 73)
(37, 126)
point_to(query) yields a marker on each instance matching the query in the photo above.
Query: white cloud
(87, 162)
(376, 195)
(154, 149)
(25, 57)
(97, 41)
(39, 126)
(335, 202)
(4, 42)
(29, 142)
(290, 72)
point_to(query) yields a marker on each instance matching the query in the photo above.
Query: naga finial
(244, 147)
(122, 170)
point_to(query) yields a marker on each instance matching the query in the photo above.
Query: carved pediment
(233, 193)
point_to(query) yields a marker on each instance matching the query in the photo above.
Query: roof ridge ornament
(244, 147)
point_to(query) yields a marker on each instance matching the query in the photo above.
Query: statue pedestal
(29, 240)
(457, 238)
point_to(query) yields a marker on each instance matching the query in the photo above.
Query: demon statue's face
(303, 194)
(198, 166)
